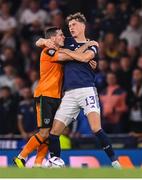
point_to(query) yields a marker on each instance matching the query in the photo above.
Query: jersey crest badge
(72, 45)
(51, 52)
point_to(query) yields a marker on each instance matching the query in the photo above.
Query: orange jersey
(51, 75)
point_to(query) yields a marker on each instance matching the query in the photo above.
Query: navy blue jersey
(77, 74)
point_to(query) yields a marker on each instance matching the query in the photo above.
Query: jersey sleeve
(49, 55)
(94, 49)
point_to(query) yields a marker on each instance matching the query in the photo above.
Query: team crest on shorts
(46, 121)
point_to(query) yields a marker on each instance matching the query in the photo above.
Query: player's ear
(53, 38)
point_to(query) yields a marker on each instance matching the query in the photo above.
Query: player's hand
(93, 64)
(40, 42)
(49, 44)
(93, 43)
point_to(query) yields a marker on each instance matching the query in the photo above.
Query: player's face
(59, 38)
(76, 28)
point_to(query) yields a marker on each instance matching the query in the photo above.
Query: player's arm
(82, 57)
(92, 62)
(56, 55)
(42, 43)
(64, 57)
(86, 46)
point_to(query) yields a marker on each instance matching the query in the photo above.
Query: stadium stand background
(117, 25)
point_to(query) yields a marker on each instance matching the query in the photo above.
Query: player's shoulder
(49, 52)
(69, 40)
(94, 47)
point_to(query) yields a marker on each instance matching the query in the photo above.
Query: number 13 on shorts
(92, 101)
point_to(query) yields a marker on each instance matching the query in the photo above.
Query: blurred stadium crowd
(116, 25)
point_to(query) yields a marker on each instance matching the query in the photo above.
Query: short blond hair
(77, 16)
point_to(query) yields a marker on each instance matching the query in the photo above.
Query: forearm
(78, 56)
(86, 46)
(40, 43)
(82, 48)
(64, 57)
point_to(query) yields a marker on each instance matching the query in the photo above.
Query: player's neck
(81, 38)
(57, 46)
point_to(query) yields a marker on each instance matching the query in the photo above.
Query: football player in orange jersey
(47, 95)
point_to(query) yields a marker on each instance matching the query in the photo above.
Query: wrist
(88, 44)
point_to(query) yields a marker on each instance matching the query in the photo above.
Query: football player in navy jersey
(79, 90)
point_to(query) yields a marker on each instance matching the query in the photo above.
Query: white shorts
(74, 100)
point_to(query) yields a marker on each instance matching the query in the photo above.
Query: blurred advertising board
(81, 158)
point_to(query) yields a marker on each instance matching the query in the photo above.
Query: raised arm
(64, 57)
(79, 54)
(85, 53)
(82, 57)
(42, 43)
(82, 48)
(55, 55)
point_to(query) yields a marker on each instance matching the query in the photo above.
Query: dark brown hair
(52, 31)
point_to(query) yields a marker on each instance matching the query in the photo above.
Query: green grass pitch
(13, 172)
